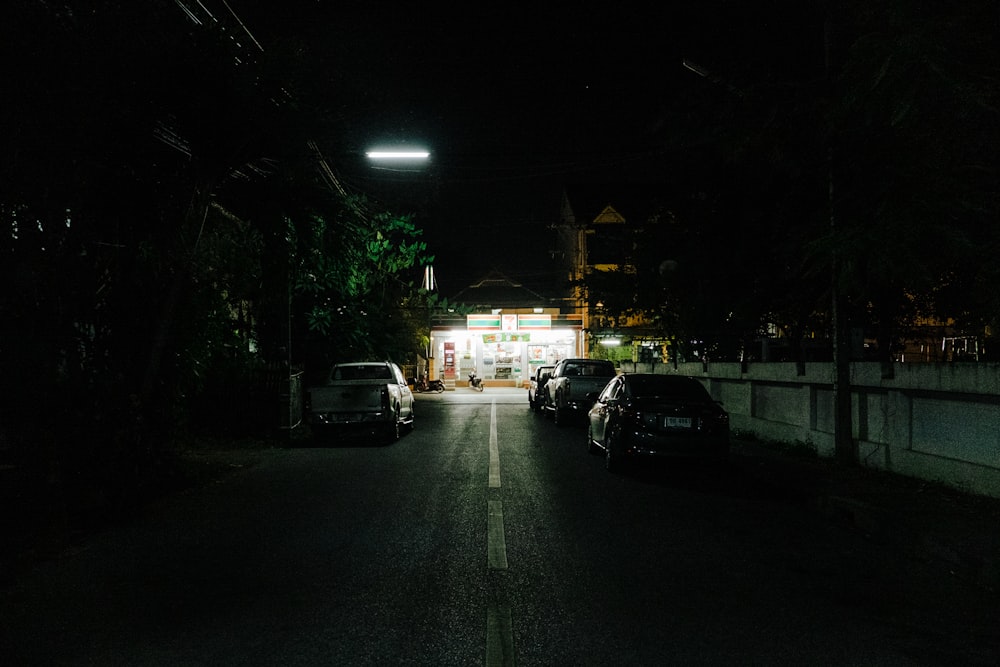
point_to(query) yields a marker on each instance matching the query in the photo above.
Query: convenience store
(503, 347)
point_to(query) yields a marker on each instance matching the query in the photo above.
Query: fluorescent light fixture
(611, 342)
(695, 67)
(398, 155)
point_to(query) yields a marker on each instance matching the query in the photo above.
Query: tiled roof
(496, 290)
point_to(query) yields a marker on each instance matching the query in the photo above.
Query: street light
(397, 154)
(695, 67)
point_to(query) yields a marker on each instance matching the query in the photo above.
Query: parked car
(644, 415)
(370, 398)
(536, 386)
(568, 391)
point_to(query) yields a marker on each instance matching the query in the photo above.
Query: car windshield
(362, 372)
(668, 386)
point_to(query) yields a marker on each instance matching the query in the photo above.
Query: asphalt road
(487, 536)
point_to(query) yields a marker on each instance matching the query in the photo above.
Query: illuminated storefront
(504, 347)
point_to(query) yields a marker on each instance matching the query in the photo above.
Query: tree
(155, 173)
(906, 103)
(916, 168)
(350, 283)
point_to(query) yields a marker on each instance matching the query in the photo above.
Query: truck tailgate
(347, 396)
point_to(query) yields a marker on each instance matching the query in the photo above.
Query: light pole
(844, 447)
(403, 157)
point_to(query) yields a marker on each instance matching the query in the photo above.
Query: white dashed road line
(494, 449)
(499, 636)
(497, 544)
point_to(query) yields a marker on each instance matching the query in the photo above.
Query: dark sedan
(643, 415)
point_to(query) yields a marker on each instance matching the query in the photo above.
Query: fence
(935, 421)
(277, 395)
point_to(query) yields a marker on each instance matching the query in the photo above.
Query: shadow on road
(740, 477)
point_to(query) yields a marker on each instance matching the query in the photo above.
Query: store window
(506, 358)
(547, 354)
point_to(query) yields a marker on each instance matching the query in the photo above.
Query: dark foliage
(861, 131)
(158, 165)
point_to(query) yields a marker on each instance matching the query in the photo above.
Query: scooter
(423, 385)
(475, 381)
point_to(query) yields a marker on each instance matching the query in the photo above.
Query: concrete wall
(939, 422)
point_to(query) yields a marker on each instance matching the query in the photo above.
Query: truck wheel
(394, 430)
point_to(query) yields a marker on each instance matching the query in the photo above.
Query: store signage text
(507, 338)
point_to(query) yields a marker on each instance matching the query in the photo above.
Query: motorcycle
(475, 381)
(423, 385)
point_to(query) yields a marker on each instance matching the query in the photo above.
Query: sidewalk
(922, 520)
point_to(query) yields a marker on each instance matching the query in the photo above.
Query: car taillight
(385, 398)
(638, 417)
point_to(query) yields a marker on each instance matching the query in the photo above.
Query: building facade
(600, 233)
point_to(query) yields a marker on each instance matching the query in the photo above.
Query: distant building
(601, 231)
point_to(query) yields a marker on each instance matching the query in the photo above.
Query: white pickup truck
(370, 397)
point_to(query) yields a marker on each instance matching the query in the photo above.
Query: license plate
(677, 422)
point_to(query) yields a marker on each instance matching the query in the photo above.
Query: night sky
(515, 100)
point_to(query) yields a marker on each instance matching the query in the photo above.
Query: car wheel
(612, 457)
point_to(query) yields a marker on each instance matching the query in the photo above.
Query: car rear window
(668, 386)
(364, 372)
(592, 370)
